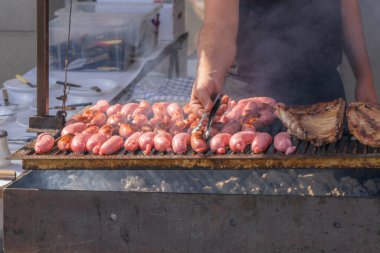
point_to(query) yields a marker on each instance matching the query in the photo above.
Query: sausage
(132, 143)
(239, 141)
(127, 130)
(234, 114)
(140, 120)
(146, 142)
(283, 143)
(266, 117)
(101, 106)
(163, 141)
(78, 118)
(261, 142)
(251, 110)
(73, 128)
(224, 100)
(174, 108)
(112, 145)
(109, 129)
(116, 119)
(128, 109)
(232, 127)
(95, 142)
(219, 143)
(78, 144)
(198, 144)
(114, 109)
(90, 113)
(187, 108)
(181, 143)
(91, 130)
(143, 108)
(178, 127)
(222, 109)
(160, 108)
(64, 143)
(99, 120)
(260, 100)
(248, 128)
(44, 143)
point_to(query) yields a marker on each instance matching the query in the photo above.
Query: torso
(290, 49)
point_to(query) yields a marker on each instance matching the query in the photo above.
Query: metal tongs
(210, 115)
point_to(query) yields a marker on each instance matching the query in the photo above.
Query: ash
(306, 182)
(272, 182)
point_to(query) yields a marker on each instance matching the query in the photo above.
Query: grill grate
(346, 153)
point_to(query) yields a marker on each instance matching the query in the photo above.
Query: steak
(319, 123)
(364, 122)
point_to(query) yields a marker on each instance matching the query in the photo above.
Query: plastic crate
(104, 36)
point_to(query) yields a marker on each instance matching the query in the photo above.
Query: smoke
(257, 182)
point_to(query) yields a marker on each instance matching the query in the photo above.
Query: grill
(346, 153)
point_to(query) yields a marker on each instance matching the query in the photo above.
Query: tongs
(210, 115)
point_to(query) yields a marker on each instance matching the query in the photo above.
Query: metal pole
(42, 58)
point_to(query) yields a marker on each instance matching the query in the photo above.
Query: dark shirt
(290, 49)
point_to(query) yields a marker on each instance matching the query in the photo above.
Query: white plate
(17, 86)
(23, 118)
(106, 86)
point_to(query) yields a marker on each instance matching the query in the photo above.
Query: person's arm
(356, 51)
(216, 51)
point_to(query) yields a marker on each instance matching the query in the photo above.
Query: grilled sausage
(163, 141)
(108, 129)
(144, 108)
(112, 145)
(239, 141)
(95, 142)
(44, 143)
(178, 127)
(90, 113)
(219, 143)
(160, 108)
(101, 106)
(64, 143)
(260, 100)
(146, 142)
(198, 144)
(114, 109)
(127, 130)
(78, 144)
(77, 119)
(181, 143)
(91, 130)
(140, 120)
(248, 128)
(73, 128)
(232, 127)
(261, 142)
(132, 143)
(128, 109)
(99, 120)
(116, 119)
(283, 143)
(174, 108)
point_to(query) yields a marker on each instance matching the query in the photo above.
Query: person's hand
(365, 92)
(203, 91)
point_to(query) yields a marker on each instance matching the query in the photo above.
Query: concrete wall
(18, 35)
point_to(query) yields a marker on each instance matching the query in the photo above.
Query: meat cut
(319, 123)
(364, 122)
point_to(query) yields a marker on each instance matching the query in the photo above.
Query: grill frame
(347, 153)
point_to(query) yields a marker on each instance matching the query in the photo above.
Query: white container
(4, 149)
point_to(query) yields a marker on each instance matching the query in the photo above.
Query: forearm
(216, 51)
(354, 42)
